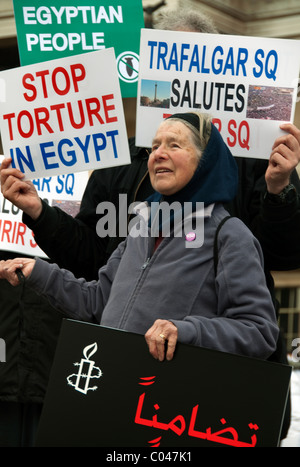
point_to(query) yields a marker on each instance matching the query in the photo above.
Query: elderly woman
(162, 283)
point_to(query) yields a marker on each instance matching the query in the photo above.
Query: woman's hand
(162, 339)
(9, 269)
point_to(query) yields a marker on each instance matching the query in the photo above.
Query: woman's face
(173, 160)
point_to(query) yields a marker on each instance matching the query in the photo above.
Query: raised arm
(70, 242)
(268, 201)
(278, 224)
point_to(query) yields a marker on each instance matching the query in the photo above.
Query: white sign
(64, 191)
(64, 116)
(248, 85)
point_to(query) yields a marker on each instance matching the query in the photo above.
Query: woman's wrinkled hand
(162, 339)
(9, 269)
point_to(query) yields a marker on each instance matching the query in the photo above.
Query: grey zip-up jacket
(231, 311)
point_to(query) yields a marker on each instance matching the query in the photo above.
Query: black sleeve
(278, 228)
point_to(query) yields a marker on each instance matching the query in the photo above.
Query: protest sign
(99, 395)
(46, 31)
(64, 191)
(247, 84)
(63, 116)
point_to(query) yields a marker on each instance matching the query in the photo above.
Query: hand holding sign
(284, 159)
(20, 192)
(162, 339)
(11, 269)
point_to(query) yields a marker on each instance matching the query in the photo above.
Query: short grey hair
(185, 20)
(199, 138)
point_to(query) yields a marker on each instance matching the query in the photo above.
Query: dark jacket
(30, 327)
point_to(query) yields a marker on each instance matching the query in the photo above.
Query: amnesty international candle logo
(86, 372)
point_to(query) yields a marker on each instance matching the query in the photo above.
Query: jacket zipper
(131, 301)
(146, 263)
(128, 308)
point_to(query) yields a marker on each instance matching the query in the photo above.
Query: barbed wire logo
(86, 372)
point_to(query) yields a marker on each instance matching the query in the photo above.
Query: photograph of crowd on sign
(270, 103)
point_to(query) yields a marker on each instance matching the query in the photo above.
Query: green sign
(46, 31)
